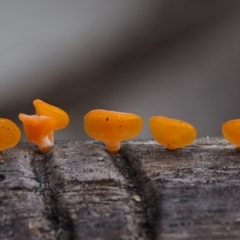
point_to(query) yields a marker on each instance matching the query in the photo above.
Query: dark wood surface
(78, 191)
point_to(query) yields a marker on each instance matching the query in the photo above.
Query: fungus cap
(10, 134)
(39, 130)
(231, 131)
(171, 133)
(58, 114)
(112, 127)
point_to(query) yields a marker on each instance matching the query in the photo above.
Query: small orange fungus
(10, 134)
(171, 133)
(112, 127)
(45, 109)
(40, 128)
(231, 131)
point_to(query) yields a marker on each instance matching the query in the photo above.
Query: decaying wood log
(78, 191)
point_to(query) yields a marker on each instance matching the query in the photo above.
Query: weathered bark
(78, 191)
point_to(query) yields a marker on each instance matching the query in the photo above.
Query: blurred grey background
(179, 59)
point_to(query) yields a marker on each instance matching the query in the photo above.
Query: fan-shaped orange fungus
(39, 130)
(231, 131)
(10, 134)
(112, 127)
(45, 109)
(171, 133)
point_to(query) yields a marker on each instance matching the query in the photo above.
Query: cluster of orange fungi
(109, 127)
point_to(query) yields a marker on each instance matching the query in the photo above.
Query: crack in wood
(61, 222)
(136, 186)
(144, 188)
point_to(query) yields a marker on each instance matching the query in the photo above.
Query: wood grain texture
(21, 204)
(197, 188)
(78, 191)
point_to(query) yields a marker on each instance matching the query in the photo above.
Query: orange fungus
(45, 109)
(112, 127)
(40, 128)
(10, 134)
(231, 131)
(171, 133)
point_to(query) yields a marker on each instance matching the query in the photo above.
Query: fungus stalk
(46, 144)
(113, 147)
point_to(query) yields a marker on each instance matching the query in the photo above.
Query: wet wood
(78, 191)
